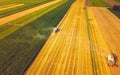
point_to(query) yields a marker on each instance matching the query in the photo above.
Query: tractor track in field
(92, 51)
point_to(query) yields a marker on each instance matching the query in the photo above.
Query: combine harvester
(111, 59)
(55, 29)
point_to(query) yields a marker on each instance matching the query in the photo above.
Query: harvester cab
(111, 60)
(55, 29)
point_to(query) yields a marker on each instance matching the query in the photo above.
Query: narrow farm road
(15, 16)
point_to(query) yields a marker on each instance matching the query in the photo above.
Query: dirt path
(110, 27)
(15, 16)
(11, 6)
(66, 52)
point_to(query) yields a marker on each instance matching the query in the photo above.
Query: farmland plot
(85, 38)
(24, 44)
(4, 6)
(11, 11)
(99, 3)
(18, 23)
(12, 6)
(117, 1)
(68, 51)
(6, 2)
(99, 48)
(109, 25)
(78, 48)
(23, 13)
(111, 2)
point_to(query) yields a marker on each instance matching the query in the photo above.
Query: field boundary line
(91, 44)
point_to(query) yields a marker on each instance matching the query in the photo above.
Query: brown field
(111, 2)
(110, 27)
(88, 2)
(15, 16)
(10, 6)
(1, 0)
(82, 44)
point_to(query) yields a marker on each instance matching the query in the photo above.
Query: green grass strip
(30, 17)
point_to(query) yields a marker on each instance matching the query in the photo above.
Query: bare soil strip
(12, 6)
(111, 2)
(110, 28)
(15, 16)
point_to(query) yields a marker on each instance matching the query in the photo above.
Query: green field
(99, 3)
(19, 49)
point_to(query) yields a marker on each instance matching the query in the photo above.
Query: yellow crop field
(81, 46)
(85, 42)
(109, 25)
